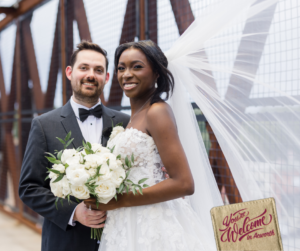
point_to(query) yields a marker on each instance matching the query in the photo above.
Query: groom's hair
(86, 45)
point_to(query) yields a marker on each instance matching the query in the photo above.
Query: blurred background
(37, 38)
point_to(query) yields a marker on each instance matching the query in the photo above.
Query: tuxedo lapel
(108, 119)
(69, 122)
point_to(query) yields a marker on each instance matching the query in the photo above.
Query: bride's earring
(155, 85)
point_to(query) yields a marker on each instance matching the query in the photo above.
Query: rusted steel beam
(2, 89)
(54, 66)
(221, 169)
(127, 35)
(8, 10)
(151, 20)
(19, 94)
(142, 20)
(24, 6)
(81, 19)
(183, 14)
(69, 17)
(63, 50)
(32, 64)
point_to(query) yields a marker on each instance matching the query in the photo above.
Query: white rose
(67, 154)
(94, 158)
(116, 130)
(77, 176)
(80, 192)
(105, 191)
(66, 187)
(56, 188)
(75, 159)
(105, 172)
(92, 171)
(117, 177)
(57, 167)
(96, 147)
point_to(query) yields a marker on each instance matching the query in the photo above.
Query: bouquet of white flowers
(90, 171)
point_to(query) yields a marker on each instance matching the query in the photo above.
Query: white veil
(259, 137)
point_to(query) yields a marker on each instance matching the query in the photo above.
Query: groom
(68, 227)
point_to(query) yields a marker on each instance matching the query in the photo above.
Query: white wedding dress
(170, 225)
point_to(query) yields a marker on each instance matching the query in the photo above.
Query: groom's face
(88, 76)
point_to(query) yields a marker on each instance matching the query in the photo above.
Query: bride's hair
(158, 62)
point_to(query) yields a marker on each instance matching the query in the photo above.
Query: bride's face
(135, 74)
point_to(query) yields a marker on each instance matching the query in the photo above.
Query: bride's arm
(161, 126)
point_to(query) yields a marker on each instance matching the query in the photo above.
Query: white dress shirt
(91, 130)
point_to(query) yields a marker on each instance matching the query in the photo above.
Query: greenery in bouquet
(91, 171)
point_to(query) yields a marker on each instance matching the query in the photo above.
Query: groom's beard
(88, 98)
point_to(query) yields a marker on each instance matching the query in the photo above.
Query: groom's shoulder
(52, 115)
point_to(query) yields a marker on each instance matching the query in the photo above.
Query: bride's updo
(158, 62)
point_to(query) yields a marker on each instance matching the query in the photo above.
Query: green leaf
(83, 143)
(66, 166)
(89, 145)
(126, 161)
(132, 158)
(56, 202)
(61, 202)
(107, 162)
(69, 142)
(68, 136)
(127, 174)
(118, 157)
(145, 185)
(127, 189)
(116, 197)
(61, 140)
(128, 180)
(60, 177)
(112, 150)
(47, 177)
(77, 200)
(140, 190)
(120, 189)
(142, 180)
(119, 124)
(112, 123)
(134, 191)
(54, 171)
(79, 149)
(51, 155)
(59, 154)
(53, 160)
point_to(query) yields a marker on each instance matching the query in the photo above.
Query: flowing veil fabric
(259, 136)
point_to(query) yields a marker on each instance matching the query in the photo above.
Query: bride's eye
(138, 67)
(120, 68)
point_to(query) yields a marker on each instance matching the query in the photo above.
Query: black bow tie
(83, 113)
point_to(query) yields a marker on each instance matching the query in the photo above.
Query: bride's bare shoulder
(160, 114)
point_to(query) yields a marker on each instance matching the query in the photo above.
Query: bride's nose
(127, 74)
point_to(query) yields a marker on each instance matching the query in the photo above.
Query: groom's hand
(89, 218)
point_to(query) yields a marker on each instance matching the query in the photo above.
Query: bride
(161, 219)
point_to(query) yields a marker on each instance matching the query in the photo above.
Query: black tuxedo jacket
(35, 192)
